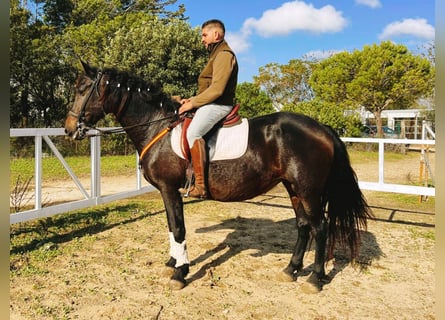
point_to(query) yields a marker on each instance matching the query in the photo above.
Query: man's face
(209, 35)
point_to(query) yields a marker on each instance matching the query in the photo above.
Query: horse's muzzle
(76, 131)
(81, 131)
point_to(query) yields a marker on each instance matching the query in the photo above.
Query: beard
(212, 46)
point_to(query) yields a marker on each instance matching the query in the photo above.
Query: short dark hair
(214, 22)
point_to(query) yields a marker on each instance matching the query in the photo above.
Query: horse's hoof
(313, 284)
(168, 272)
(176, 284)
(284, 276)
(310, 288)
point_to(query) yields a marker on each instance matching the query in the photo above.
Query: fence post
(381, 162)
(95, 167)
(38, 171)
(138, 173)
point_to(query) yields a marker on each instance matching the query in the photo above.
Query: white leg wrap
(178, 251)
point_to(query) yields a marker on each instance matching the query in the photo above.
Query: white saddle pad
(231, 142)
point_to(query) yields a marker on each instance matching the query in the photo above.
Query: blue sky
(266, 31)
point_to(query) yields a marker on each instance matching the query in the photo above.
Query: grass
(35, 243)
(53, 169)
(358, 157)
(81, 165)
(37, 247)
(428, 234)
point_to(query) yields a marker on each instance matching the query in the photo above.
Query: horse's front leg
(178, 262)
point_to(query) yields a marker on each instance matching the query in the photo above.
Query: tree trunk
(378, 122)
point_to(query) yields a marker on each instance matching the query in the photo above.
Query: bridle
(81, 126)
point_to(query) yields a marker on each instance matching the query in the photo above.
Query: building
(407, 122)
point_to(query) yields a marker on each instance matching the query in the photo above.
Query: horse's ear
(87, 68)
(84, 64)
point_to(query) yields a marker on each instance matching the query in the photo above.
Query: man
(216, 94)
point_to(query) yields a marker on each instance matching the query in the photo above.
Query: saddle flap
(185, 148)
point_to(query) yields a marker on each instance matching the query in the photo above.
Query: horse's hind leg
(319, 232)
(303, 227)
(310, 221)
(296, 262)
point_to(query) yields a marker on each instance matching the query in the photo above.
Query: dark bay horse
(307, 157)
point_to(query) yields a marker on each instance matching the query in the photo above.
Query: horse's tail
(347, 207)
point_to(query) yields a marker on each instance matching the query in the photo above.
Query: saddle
(233, 118)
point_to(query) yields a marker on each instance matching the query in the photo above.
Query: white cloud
(238, 41)
(369, 3)
(289, 17)
(418, 28)
(293, 16)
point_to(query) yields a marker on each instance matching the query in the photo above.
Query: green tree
(171, 54)
(288, 83)
(330, 114)
(380, 77)
(57, 13)
(45, 50)
(253, 101)
(37, 74)
(20, 54)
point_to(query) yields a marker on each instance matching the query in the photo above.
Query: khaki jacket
(217, 81)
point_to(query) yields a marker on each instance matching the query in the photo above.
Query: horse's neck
(141, 117)
(141, 130)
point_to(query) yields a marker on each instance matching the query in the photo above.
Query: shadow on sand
(265, 236)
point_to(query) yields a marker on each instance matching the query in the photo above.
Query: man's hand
(186, 106)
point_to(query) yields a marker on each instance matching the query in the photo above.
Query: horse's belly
(238, 188)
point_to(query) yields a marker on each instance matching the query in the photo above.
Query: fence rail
(95, 197)
(380, 185)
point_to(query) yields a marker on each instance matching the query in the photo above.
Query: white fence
(95, 196)
(380, 185)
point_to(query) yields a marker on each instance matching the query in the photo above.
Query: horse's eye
(83, 86)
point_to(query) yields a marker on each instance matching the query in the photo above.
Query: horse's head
(117, 92)
(87, 108)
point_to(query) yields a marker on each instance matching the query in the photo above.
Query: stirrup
(202, 192)
(185, 192)
(189, 181)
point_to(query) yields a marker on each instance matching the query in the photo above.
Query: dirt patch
(236, 252)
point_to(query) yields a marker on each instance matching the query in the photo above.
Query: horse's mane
(122, 80)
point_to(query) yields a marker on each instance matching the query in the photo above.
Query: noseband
(81, 126)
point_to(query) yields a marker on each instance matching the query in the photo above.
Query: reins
(123, 129)
(159, 136)
(152, 141)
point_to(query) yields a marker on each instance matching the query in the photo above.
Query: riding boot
(199, 161)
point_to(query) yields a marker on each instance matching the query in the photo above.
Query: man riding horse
(214, 101)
